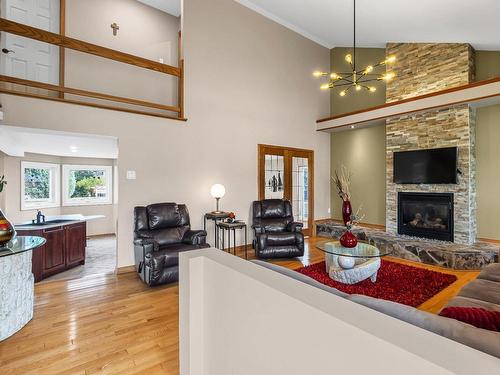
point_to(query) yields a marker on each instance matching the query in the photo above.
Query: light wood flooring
(114, 324)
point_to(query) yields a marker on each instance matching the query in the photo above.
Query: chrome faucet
(40, 218)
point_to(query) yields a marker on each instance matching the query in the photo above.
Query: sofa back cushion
(166, 223)
(480, 339)
(272, 214)
(163, 215)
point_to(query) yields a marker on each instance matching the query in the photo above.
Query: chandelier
(356, 79)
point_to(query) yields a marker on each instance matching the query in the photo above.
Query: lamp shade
(218, 191)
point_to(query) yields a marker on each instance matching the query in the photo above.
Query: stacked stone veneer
(420, 69)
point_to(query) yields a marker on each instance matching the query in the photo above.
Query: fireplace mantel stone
(438, 253)
(422, 68)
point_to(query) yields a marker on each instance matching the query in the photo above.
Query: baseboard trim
(126, 269)
(101, 235)
(490, 240)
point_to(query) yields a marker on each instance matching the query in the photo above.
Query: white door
(31, 59)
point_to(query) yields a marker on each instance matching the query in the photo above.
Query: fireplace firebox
(427, 215)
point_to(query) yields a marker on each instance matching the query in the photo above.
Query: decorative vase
(7, 231)
(348, 239)
(346, 211)
(346, 262)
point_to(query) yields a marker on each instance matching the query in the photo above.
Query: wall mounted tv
(433, 166)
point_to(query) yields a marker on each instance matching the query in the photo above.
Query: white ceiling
(172, 7)
(330, 22)
(16, 141)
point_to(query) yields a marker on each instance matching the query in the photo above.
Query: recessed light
(352, 126)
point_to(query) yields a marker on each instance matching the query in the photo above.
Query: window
(86, 185)
(39, 185)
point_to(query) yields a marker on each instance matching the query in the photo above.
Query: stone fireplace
(421, 69)
(426, 215)
(445, 212)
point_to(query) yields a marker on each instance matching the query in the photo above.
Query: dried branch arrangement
(342, 181)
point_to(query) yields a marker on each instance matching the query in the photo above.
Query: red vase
(7, 230)
(346, 211)
(348, 239)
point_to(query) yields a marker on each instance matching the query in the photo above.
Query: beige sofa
(483, 292)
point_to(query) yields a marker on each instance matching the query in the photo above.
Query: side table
(232, 226)
(215, 217)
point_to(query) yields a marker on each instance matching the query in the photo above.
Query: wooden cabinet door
(76, 241)
(53, 256)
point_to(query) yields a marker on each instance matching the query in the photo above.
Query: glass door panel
(274, 177)
(300, 190)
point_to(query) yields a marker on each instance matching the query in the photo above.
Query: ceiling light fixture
(359, 79)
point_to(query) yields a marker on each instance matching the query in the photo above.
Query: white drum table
(351, 265)
(17, 284)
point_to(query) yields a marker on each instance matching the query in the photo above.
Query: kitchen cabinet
(64, 249)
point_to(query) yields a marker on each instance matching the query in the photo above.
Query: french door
(288, 173)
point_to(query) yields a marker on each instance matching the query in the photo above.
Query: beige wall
(487, 158)
(363, 152)
(356, 100)
(487, 65)
(12, 194)
(248, 81)
(144, 31)
(488, 173)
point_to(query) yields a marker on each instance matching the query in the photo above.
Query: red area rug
(396, 282)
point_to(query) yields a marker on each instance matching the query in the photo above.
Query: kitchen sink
(48, 222)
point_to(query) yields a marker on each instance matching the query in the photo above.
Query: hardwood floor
(114, 324)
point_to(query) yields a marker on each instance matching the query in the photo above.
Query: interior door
(288, 173)
(31, 59)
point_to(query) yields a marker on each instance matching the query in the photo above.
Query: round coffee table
(350, 266)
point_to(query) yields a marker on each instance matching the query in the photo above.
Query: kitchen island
(17, 283)
(66, 240)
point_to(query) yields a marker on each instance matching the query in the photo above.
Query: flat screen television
(433, 166)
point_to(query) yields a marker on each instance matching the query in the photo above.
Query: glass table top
(20, 244)
(362, 250)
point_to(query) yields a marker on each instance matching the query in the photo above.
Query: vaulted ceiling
(330, 23)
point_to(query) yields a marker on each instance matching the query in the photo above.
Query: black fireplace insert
(427, 215)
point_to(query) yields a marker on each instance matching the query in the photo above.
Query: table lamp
(217, 191)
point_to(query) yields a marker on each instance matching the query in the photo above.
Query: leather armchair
(276, 234)
(161, 232)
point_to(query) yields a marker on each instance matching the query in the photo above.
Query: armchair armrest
(148, 245)
(258, 229)
(195, 237)
(294, 227)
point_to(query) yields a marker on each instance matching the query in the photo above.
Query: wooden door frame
(287, 153)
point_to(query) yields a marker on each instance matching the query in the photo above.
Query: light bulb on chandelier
(357, 78)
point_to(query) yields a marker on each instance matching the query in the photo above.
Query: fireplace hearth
(426, 215)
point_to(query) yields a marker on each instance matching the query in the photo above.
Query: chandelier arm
(343, 84)
(369, 80)
(347, 80)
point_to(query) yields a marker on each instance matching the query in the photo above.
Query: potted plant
(7, 231)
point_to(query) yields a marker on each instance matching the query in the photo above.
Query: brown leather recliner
(161, 232)
(276, 234)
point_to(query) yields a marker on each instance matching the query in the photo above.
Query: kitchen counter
(66, 237)
(57, 221)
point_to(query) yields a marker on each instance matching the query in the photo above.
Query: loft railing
(96, 50)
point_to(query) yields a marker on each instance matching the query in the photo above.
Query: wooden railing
(77, 45)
